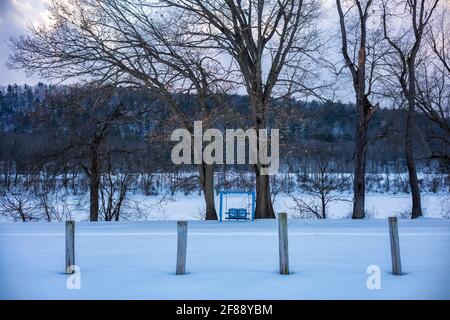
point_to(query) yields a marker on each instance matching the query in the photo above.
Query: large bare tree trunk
(409, 146)
(421, 13)
(207, 183)
(363, 106)
(94, 187)
(264, 209)
(359, 178)
(359, 181)
(324, 205)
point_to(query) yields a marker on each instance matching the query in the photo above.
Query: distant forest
(37, 124)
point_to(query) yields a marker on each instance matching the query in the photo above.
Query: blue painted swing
(237, 213)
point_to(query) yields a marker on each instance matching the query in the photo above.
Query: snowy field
(378, 205)
(233, 260)
(191, 207)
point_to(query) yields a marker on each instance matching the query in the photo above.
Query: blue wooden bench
(237, 214)
(244, 213)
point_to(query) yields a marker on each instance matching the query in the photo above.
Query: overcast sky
(15, 15)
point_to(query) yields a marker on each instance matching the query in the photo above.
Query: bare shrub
(113, 195)
(20, 206)
(321, 185)
(53, 206)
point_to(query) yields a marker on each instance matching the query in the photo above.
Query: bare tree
(405, 36)
(433, 86)
(320, 184)
(53, 205)
(113, 194)
(439, 38)
(128, 43)
(362, 56)
(268, 41)
(19, 206)
(79, 122)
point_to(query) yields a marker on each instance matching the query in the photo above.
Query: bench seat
(237, 214)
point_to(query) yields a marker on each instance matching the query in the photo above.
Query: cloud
(5, 6)
(28, 11)
(15, 16)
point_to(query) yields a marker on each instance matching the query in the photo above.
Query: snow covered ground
(378, 205)
(233, 260)
(190, 207)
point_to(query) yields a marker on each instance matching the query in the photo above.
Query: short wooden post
(283, 243)
(181, 247)
(70, 246)
(395, 246)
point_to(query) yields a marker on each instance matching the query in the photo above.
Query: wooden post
(283, 243)
(181, 247)
(70, 246)
(395, 246)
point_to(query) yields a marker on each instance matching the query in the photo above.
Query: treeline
(107, 142)
(35, 119)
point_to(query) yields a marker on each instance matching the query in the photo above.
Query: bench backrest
(234, 213)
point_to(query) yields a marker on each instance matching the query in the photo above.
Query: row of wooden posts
(282, 241)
